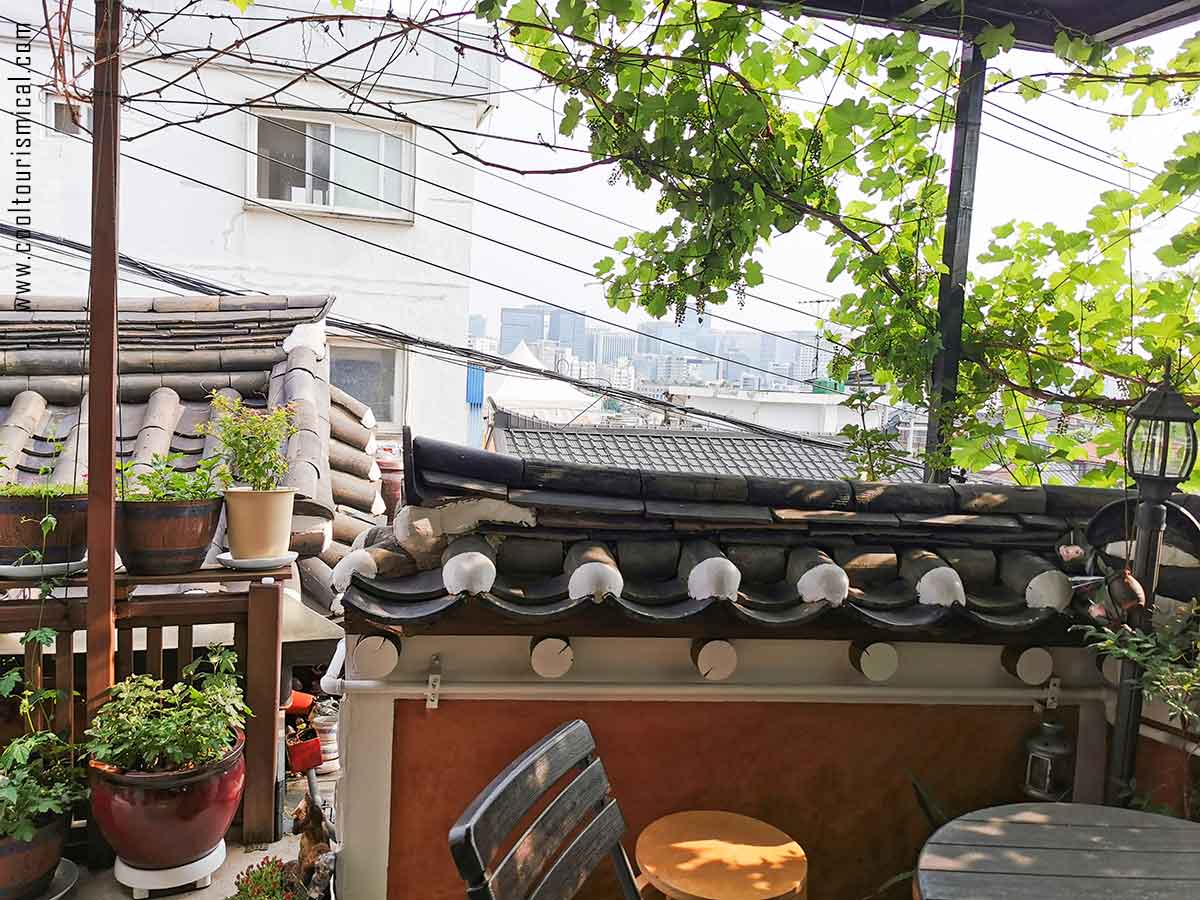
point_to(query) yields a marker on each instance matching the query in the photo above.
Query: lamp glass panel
(1038, 772)
(1180, 450)
(1145, 446)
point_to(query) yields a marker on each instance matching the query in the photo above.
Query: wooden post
(968, 115)
(264, 657)
(102, 369)
(64, 681)
(33, 678)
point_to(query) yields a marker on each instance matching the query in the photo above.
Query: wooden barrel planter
(27, 867)
(165, 538)
(159, 820)
(21, 529)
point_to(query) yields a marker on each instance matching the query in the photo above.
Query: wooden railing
(256, 615)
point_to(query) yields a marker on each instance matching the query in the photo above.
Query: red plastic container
(304, 755)
(159, 820)
(300, 703)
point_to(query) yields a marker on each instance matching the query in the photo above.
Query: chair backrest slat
(525, 861)
(542, 864)
(491, 817)
(590, 846)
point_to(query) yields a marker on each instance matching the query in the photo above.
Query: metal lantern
(1160, 439)
(1048, 770)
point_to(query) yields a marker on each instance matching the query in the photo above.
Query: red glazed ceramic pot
(26, 867)
(159, 820)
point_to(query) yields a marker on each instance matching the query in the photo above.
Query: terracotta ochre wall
(1166, 779)
(834, 776)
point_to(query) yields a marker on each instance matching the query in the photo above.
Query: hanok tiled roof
(173, 353)
(540, 544)
(666, 450)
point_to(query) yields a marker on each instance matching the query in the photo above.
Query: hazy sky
(1012, 184)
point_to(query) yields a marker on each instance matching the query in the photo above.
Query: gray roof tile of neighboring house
(666, 450)
(170, 362)
(987, 544)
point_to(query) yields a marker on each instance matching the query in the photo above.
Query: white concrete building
(270, 222)
(810, 413)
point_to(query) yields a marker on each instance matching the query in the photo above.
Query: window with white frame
(374, 375)
(68, 117)
(335, 167)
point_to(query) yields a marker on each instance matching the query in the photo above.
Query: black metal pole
(968, 115)
(1122, 757)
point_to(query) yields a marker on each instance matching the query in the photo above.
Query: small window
(368, 373)
(70, 118)
(341, 168)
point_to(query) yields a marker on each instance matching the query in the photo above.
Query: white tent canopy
(542, 398)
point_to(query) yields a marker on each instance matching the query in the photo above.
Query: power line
(447, 269)
(401, 172)
(479, 357)
(190, 280)
(185, 126)
(389, 337)
(485, 170)
(60, 262)
(1153, 174)
(187, 282)
(443, 222)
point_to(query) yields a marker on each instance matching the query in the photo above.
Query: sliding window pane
(281, 161)
(356, 168)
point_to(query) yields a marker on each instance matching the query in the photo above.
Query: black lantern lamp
(1160, 451)
(1160, 442)
(1048, 771)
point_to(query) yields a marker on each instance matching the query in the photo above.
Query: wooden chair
(539, 866)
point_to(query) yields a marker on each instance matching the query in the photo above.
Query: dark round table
(1061, 851)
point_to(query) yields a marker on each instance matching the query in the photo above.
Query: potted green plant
(166, 766)
(166, 517)
(41, 521)
(39, 783)
(258, 512)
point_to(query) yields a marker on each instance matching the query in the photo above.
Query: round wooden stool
(709, 855)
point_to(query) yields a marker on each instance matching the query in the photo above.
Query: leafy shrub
(147, 727)
(38, 780)
(252, 441)
(266, 880)
(163, 483)
(38, 775)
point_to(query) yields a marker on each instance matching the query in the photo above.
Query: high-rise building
(569, 329)
(521, 323)
(610, 346)
(476, 325)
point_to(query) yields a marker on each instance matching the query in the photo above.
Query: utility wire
(128, 262)
(443, 268)
(484, 169)
(514, 247)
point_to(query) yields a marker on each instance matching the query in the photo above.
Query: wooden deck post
(264, 617)
(102, 353)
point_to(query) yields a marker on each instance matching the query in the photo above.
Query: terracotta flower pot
(165, 538)
(159, 820)
(21, 528)
(259, 523)
(27, 867)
